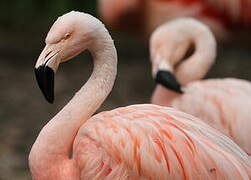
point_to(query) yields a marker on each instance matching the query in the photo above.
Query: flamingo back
(155, 142)
(223, 104)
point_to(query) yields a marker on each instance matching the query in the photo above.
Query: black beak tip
(45, 80)
(49, 99)
(168, 80)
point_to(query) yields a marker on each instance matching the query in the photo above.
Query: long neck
(58, 135)
(197, 65)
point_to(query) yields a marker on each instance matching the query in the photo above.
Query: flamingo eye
(67, 35)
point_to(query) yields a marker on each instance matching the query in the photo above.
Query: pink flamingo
(222, 103)
(133, 142)
(146, 15)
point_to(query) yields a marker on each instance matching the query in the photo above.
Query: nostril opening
(47, 54)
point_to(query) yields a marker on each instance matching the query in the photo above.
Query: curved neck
(57, 137)
(89, 98)
(197, 65)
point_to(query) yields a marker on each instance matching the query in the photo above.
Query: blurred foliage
(23, 13)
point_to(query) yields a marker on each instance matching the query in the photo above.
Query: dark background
(23, 109)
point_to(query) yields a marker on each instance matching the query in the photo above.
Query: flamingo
(134, 142)
(145, 15)
(222, 103)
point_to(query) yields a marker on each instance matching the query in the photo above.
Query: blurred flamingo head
(182, 51)
(71, 34)
(125, 15)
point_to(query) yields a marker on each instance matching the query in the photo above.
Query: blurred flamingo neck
(163, 96)
(197, 65)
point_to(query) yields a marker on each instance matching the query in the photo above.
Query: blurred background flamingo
(145, 15)
(134, 142)
(222, 103)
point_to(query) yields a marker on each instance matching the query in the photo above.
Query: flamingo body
(152, 142)
(222, 103)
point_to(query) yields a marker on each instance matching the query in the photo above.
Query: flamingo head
(182, 51)
(123, 14)
(71, 34)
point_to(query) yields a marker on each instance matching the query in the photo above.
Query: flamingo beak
(167, 79)
(45, 70)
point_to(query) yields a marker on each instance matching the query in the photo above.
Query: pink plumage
(152, 142)
(222, 103)
(134, 142)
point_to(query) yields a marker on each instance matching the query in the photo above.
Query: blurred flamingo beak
(45, 70)
(165, 77)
